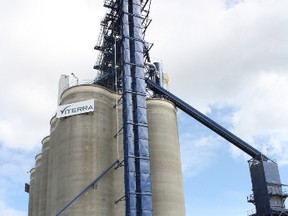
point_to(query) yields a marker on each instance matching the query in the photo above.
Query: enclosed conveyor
(268, 195)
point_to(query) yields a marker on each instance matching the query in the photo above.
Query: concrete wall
(81, 147)
(36, 193)
(166, 174)
(44, 176)
(31, 192)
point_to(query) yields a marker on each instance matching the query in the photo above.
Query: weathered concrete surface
(81, 150)
(166, 174)
(81, 147)
(31, 192)
(44, 176)
(36, 192)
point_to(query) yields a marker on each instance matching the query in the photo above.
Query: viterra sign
(75, 108)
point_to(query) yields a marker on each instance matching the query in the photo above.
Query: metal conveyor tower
(124, 54)
(121, 68)
(268, 196)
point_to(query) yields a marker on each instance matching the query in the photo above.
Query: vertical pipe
(117, 152)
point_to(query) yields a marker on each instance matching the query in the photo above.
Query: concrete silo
(31, 191)
(36, 185)
(44, 176)
(81, 146)
(166, 174)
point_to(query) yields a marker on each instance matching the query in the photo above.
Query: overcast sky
(226, 58)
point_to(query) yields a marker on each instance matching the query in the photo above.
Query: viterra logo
(75, 108)
(65, 109)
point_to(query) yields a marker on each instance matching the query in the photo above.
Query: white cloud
(197, 154)
(265, 115)
(235, 57)
(6, 210)
(213, 50)
(39, 41)
(14, 167)
(267, 107)
(220, 54)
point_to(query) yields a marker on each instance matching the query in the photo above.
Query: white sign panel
(75, 108)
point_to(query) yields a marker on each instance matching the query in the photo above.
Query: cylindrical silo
(50, 174)
(31, 192)
(36, 192)
(44, 176)
(80, 149)
(166, 174)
